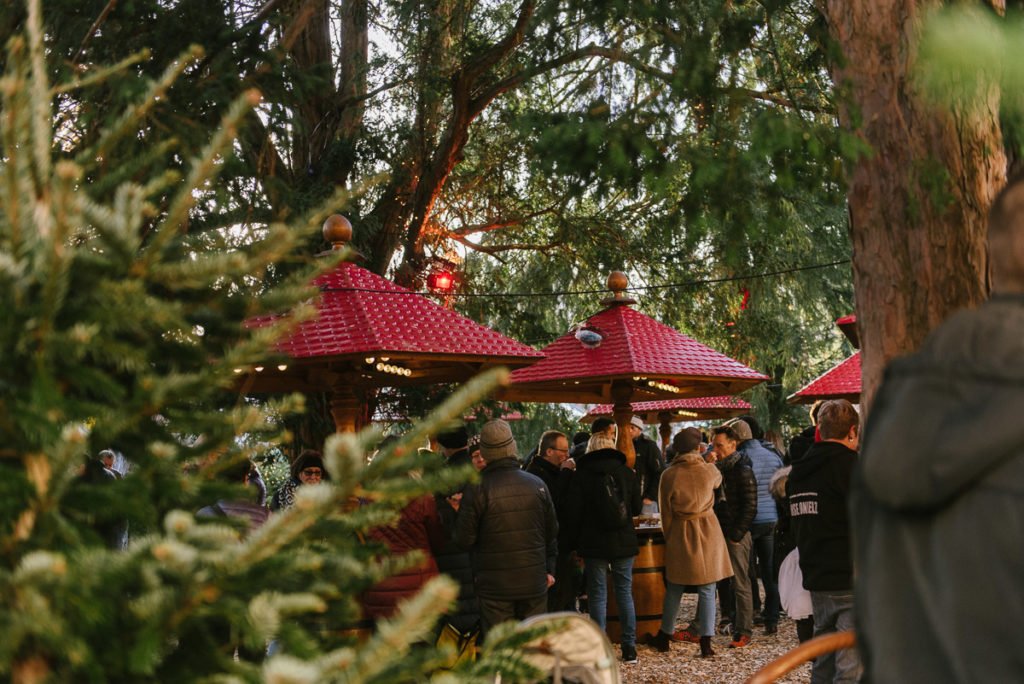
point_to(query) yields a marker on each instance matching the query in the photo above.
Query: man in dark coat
(818, 491)
(938, 507)
(553, 465)
(508, 523)
(607, 551)
(736, 516)
(649, 463)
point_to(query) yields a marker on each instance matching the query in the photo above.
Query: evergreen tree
(120, 327)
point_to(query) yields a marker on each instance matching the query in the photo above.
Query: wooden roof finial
(618, 283)
(338, 231)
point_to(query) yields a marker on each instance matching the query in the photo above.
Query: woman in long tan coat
(695, 551)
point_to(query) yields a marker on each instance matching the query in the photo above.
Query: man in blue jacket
(762, 530)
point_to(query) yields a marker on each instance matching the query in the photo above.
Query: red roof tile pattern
(848, 324)
(840, 382)
(688, 404)
(364, 313)
(633, 344)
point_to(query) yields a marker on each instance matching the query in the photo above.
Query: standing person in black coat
(508, 524)
(553, 465)
(819, 494)
(605, 550)
(736, 516)
(649, 463)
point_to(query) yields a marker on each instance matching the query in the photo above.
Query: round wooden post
(345, 408)
(665, 429)
(622, 411)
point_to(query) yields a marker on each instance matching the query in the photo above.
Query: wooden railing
(809, 650)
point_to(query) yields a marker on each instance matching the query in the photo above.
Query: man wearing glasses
(553, 465)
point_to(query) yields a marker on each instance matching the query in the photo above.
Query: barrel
(648, 587)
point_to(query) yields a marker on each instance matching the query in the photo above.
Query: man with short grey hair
(508, 524)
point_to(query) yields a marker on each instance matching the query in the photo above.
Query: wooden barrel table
(648, 586)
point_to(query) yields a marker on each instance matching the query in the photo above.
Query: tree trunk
(918, 200)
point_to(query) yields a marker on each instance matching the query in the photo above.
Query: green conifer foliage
(120, 328)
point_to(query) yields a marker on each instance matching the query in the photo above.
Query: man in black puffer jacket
(508, 524)
(606, 550)
(736, 514)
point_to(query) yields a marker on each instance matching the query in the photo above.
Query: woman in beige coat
(695, 551)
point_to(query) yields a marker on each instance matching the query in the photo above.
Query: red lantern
(441, 282)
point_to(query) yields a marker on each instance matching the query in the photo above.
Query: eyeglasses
(313, 472)
(557, 449)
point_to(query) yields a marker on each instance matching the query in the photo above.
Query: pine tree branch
(111, 4)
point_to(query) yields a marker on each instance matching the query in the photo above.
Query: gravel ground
(683, 663)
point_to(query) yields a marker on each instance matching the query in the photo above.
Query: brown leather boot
(705, 647)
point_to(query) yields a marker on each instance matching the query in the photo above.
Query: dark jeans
(763, 540)
(562, 594)
(496, 611)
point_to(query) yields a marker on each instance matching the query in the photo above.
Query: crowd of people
(557, 531)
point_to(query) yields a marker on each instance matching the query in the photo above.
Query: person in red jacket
(418, 529)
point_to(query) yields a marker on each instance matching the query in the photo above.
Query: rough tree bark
(918, 200)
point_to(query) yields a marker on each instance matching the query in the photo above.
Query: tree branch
(479, 64)
(515, 246)
(92, 31)
(499, 224)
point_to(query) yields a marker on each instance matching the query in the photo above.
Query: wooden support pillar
(346, 407)
(665, 429)
(622, 411)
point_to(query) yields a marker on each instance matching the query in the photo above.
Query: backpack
(611, 502)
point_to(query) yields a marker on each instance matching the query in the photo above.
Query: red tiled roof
(361, 312)
(633, 344)
(840, 382)
(689, 404)
(848, 324)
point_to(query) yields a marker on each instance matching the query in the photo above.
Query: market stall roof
(371, 333)
(619, 355)
(848, 324)
(842, 381)
(693, 408)
(620, 345)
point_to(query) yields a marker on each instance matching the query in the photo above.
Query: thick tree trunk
(918, 200)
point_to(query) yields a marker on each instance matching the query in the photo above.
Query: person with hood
(819, 494)
(607, 549)
(308, 468)
(938, 507)
(695, 551)
(507, 523)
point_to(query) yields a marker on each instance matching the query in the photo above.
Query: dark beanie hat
(308, 459)
(686, 440)
(456, 438)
